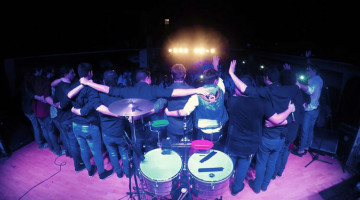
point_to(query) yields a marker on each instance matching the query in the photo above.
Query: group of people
(240, 118)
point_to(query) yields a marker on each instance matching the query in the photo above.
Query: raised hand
(286, 66)
(232, 67)
(215, 62)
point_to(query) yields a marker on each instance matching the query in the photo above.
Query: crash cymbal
(131, 107)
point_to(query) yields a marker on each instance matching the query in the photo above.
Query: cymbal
(131, 107)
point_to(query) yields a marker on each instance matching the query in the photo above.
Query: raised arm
(239, 84)
(215, 62)
(101, 88)
(175, 113)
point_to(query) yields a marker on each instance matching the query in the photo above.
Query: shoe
(43, 146)
(297, 153)
(120, 173)
(235, 192)
(80, 167)
(105, 174)
(92, 171)
(251, 184)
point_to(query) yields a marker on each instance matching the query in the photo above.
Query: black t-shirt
(111, 125)
(246, 119)
(60, 95)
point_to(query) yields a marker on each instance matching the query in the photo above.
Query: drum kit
(164, 173)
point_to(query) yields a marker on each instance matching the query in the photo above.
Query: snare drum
(211, 178)
(161, 171)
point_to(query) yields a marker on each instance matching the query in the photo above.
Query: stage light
(201, 76)
(243, 62)
(262, 67)
(202, 50)
(170, 50)
(175, 50)
(212, 50)
(180, 50)
(207, 50)
(302, 77)
(186, 50)
(196, 50)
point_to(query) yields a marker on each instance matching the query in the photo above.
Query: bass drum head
(160, 167)
(220, 159)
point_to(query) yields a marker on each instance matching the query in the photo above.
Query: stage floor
(30, 166)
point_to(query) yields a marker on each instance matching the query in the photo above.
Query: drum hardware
(132, 108)
(157, 126)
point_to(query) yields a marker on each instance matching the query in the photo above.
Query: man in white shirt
(313, 89)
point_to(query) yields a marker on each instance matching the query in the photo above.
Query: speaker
(349, 144)
(325, 140)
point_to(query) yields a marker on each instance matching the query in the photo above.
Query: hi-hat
(131, 107)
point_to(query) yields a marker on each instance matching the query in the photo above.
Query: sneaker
(80, 167)
(44, 145)
(297, 153)
(251, 184)
(105, 174)
(235, 192)
(92, 171)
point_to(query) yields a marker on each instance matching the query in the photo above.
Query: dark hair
(210, 75)
(64, 69)
(287, 77)
(110, 78)
(273, 74)
(84, 69)
(178, 72)
(141, 75)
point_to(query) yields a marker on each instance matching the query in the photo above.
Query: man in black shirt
(274, 137)
(63, 120)
(86, 122)
(112, 128)
(179, 126)
(246, 116)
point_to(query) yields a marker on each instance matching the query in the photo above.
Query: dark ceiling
(328, 29)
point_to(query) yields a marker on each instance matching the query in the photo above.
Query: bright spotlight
(186, 50)
(175, 50)
(302, 77)
(196, 50)
(202, 50)
(243, 62)
(170, 50)
(261, 66)
(212, 50)
(180, 50)
(207, 50)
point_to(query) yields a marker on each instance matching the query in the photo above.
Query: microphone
(293, 117)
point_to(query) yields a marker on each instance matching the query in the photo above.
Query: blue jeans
(285, 151)
(54, 145)
(266, 158)
(89, 139)
(115, 146)
(307, 130)
(36, 127)
(48, 131)
(241, 164)
(63, 135)
(73, 143)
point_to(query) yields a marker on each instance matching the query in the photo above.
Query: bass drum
(160, 170)
(210, 178)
